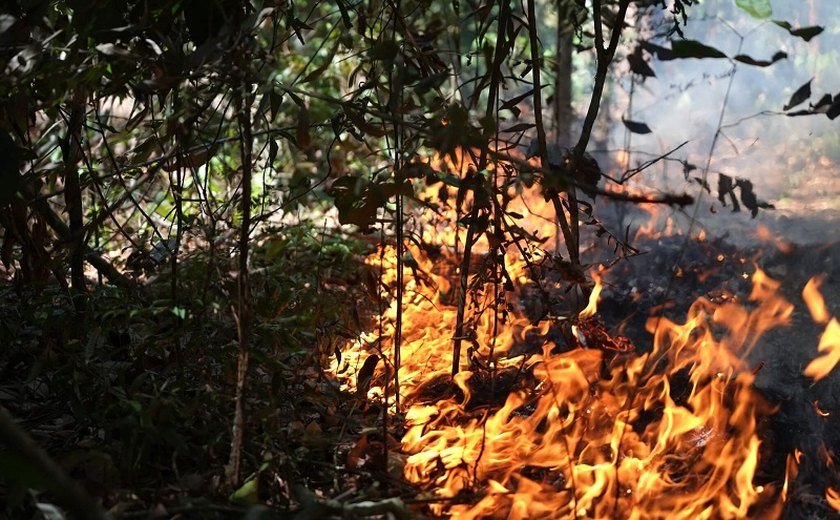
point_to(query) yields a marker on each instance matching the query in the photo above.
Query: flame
(791, 471)
(592, 307)
(829, 344)
(832, 496)
(670, 432)
(814, 300)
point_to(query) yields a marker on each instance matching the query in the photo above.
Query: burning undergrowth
(554, 416)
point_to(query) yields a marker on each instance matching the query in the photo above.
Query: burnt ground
(672, 272)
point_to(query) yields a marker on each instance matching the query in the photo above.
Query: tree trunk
(562, 101)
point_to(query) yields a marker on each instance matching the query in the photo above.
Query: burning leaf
(636, 127)
(800, 96)
(592, 305)
(829, 346)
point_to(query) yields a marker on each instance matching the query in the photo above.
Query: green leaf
(694, 49)
(806, 33)
(756, 8)
(247, 494)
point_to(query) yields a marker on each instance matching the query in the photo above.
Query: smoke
(790, 160)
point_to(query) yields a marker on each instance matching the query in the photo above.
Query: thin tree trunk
(72, 152)
(243, 313)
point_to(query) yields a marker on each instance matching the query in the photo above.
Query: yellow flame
(592, 306)
(814, 300)
(829, 346)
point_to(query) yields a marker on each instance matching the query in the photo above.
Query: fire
(583, 432)
(830, 348)
(833, 498)
(829, 345)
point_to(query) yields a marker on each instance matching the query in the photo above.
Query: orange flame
(832, 496)
(668, 433)
(814, 300)
(829, 345)
(592, 307)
